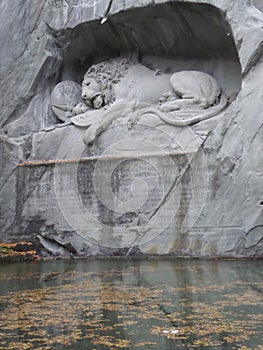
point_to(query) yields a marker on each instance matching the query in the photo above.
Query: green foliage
(5, 250)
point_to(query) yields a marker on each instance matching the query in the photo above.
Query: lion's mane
(109, 73)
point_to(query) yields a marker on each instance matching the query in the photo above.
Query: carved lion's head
(92, 93)
(99, 81)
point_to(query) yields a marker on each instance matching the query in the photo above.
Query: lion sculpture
(121, 87)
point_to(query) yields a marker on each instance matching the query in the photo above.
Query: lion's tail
(178, 121)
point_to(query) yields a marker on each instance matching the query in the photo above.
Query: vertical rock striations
(219, 212)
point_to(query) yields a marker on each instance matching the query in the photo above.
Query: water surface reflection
(101, 305)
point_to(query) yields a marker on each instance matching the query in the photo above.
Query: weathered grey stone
(12, 152)
(216, 203)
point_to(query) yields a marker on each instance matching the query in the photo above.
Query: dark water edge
(141, 257)
(132, 304)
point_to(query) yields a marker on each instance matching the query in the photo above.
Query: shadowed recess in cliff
(181, 31)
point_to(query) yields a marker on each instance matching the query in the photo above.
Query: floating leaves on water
(87, 310)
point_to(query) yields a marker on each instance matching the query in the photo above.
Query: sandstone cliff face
(42, 45)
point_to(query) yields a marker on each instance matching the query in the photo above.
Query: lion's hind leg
(186, 100)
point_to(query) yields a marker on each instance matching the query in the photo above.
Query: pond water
(124, 304)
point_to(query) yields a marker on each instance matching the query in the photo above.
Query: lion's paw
(80, 108)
